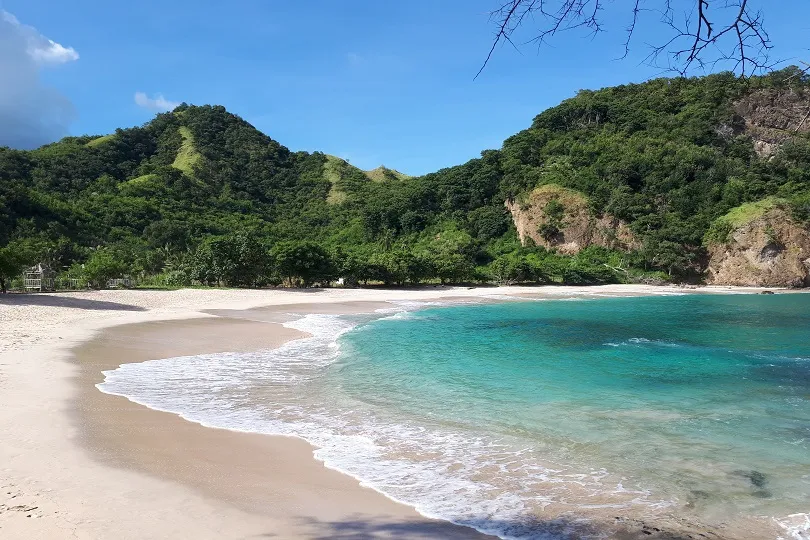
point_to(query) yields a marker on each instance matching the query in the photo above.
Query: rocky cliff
(560, 218)
(763, 246)
(771, 117)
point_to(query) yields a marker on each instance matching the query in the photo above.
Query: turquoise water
(703, 398)
(489, 415)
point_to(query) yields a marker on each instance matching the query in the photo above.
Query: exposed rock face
(577, 228)
(771, 117)
(770, 251)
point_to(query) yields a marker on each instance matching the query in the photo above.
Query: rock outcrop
(570, 226)
(770, 250)
(771, 117)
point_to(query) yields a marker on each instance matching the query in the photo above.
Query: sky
(377, 82)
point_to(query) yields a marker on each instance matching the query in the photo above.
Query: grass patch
(100, 140)
(331, 172)
(384, 174)
(187, 156)
(140, 180)
(748, 212)
(140, 185)
(569, 198)
(722, 227)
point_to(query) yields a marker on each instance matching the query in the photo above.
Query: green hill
(384, 174)
(339, 172)
(666, 159)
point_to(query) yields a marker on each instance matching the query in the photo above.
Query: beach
(79, 463)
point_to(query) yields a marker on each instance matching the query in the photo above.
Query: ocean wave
(640, 341)
(411, 305)
(407, 309)
(796, 526)
(510, 298)
(463, 477)
(779, 357)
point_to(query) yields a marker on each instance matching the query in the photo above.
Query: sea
(534, 418)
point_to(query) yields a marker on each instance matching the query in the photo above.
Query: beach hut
(38, 278)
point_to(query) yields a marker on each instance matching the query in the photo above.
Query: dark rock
(771, 251)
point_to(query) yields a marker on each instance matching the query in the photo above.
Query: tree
(14, 258)
(392, 266)
(554, 213)
(236, 260)
(674, 258)
(353, 266)
(699, 33)
(580, 273)
(102, 266)
(510, 269)
(167, 233)
(488, 222)
(451, 266)
(303, 263)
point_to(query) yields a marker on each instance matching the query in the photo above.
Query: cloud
(157, 103)
(41, 49)
(30, 113)
(54, 53)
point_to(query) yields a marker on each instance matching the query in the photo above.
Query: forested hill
(669, 179)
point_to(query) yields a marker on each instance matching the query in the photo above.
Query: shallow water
(486, 415)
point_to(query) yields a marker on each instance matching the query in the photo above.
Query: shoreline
(272, 476)
(217, 306)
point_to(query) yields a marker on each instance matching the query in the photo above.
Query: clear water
(493, 415)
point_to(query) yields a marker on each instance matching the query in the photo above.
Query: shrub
(583, 274)
(102, 266)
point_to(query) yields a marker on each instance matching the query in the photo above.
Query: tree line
(199, 196)
(243, 259)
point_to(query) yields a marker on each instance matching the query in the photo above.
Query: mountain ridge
(665, 159)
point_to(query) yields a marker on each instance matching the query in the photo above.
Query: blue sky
(376, 82)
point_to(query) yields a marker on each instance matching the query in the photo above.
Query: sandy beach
(78, 463)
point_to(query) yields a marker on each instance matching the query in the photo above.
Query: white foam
(465, 478)
(796, 526)
(643, 341)
(509, 298)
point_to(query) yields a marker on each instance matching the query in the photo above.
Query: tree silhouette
(699, 33)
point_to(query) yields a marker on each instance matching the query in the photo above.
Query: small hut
(38, 278)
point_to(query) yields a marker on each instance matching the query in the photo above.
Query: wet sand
(264, 475)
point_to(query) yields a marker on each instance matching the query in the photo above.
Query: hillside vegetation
(198, 195)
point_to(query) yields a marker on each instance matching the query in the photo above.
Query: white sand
(51, 489)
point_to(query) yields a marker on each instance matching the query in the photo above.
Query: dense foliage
(198, 195)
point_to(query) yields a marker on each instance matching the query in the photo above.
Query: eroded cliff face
(770, 251)
(771, 117)
(574, 229)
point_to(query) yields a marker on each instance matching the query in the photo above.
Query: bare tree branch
(702, 33)
(632, 28)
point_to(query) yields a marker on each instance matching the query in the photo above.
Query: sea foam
(460, 477)
(364, 402)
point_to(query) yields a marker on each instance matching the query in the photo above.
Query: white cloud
(53, 53)
(39, 48)
(157, 103)
(30, 113)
